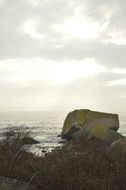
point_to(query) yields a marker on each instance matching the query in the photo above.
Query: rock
(7, 183)
(119, 144)
(107, 135)
(83, 120)
(29, 140)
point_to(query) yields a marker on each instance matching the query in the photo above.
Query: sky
(58, 55)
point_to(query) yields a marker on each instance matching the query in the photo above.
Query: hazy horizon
(60, 55)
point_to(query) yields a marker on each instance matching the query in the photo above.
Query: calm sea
(44, 126)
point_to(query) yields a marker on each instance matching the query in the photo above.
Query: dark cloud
(109, 55)
(113, 10)
(13, 14)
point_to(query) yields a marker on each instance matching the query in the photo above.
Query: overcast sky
(62, 55)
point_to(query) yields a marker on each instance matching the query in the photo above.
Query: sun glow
(53, 73)
(79, 27)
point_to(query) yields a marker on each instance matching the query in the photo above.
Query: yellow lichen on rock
(86, 118)
(81, 116)
(98, 131)
(105, 134)
(67, 122)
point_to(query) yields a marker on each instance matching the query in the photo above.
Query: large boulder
(105, 134)
(83, 121)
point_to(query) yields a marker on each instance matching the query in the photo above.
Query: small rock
(29, 140)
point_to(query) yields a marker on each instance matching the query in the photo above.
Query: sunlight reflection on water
(44, 126)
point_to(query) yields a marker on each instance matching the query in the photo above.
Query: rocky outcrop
(82, 122)
(105, 134)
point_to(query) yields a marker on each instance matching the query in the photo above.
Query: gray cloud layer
(14, 43)
(23, 22)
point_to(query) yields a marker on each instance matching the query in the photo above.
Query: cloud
(92, 93)
(36, 96)
(110, 55)
(119, 82)
(30, 27)
(60, 30)
(33, 20)
(78, 27)
(62, 52)
(35, 84)
(29, 70)
(119, 71)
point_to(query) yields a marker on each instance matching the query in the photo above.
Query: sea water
(45, 127)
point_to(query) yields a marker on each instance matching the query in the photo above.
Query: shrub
(79, 165)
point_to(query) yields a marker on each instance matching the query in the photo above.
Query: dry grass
(79, 165)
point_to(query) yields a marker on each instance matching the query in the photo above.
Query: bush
(80, 165)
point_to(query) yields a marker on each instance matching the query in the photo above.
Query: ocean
(44, 126)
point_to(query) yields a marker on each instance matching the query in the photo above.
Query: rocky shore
(91, 124)
(93, 158)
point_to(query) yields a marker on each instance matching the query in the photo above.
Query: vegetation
(80, 165)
